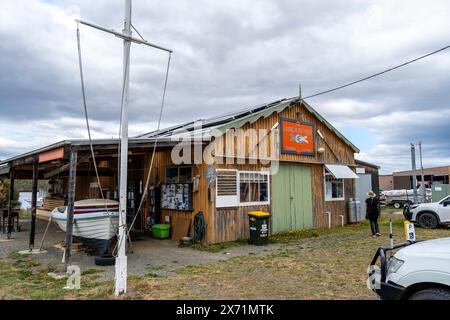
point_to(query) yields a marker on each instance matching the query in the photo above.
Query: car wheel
(431, 294)
(428, 221)
(397, 205)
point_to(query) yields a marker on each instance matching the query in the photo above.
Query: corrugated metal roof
(233, 119)
(237, 119)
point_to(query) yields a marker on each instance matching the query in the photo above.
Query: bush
(4, 194)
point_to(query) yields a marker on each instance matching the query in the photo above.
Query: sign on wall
(297, 137)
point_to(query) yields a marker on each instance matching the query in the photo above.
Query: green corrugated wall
(292, 199)
(439, 191)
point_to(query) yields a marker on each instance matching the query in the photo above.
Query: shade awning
(341, 171)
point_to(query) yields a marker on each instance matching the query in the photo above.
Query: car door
(444, 210)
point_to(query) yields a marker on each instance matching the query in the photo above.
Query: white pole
(391, 238)
(329, 219)
(422, 177)
(414, 177)
(121, 260)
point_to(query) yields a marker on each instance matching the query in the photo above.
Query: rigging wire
(147, 182)
(138, 32)
(156, 141)
(376, 74)
(80, 63)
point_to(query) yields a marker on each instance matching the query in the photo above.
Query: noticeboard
(297, 137)
(176, 196)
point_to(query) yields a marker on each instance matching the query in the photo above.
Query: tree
(4, 194)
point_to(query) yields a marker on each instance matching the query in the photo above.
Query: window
(254, 187)
(334, 188)
(179, 174)
(226, 189)
(234, 188)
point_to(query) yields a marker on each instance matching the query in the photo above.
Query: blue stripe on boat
(86, 217)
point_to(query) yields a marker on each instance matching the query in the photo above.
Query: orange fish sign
(297, 137)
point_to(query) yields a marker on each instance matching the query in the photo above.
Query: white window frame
(228, 201)
(325, 174)
(254, 203)
(235, 201)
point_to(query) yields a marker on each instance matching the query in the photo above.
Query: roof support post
(10, 201)
(33, 204)
(70, 205)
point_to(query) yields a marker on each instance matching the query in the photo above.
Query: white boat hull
(96, 228)
(95, 222)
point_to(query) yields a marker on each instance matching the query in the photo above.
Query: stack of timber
(51, 203)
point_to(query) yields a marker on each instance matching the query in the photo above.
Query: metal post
(33, 204)
(121, 260)
(391, 237)
(10, 201)
(70, 204)
(422, 185)
(414, 177)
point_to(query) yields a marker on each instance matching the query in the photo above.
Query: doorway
(292, 199)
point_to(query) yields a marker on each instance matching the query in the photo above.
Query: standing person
(373, 213)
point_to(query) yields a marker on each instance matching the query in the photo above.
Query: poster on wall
(176, 196)
(297, 137)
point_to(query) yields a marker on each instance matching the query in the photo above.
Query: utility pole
(126, 35)
(414, 178)
(422, 185)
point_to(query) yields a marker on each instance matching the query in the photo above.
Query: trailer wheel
(428, 220)
(431, 294)
(105, 261)
(397, 205)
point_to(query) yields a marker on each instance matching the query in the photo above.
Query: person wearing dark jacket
(373, 213)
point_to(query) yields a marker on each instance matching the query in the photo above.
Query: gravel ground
(160, 257)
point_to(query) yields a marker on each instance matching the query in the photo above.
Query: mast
(126, 35)
(121, 260)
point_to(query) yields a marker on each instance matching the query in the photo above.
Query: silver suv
(429, 215)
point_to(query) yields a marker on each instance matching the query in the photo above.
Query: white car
(418, 271)
(429, 215)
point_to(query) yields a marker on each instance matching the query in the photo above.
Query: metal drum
(354, 211)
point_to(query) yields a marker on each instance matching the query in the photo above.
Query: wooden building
(281, 157)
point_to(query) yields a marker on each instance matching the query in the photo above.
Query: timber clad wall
(200, 198)
(335, 207)
(232, 223)
(229, 152)
(240, 152)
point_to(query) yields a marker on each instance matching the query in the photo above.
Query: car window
(445, 199)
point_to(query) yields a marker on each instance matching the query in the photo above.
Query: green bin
(259, 227)
(161, 231)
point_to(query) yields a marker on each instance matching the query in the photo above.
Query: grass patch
(91, 271)
(152, 275)
(286, 237)
(314, 264)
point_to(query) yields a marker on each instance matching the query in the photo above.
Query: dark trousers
(374, 224)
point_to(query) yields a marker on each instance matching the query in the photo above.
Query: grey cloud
(229, 55)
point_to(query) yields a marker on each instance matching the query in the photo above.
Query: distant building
(386, 182)
(403, 179)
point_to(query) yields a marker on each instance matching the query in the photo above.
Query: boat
(95, 224)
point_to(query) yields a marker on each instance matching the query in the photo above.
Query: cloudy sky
(230, 55)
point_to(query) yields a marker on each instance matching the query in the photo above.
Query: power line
(377, 74)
